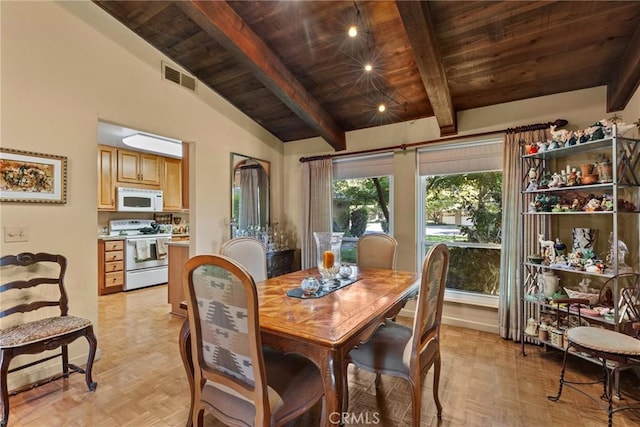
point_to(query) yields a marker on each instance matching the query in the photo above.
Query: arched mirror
(249, 194)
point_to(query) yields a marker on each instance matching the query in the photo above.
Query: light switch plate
(16, 234)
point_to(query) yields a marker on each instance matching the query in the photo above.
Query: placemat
(339, 283)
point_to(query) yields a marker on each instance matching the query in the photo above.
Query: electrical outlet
(16, 234)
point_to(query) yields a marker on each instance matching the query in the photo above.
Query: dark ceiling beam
(222, 23)
(416, 19)
(627, 79)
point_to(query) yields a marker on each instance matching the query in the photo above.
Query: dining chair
(376, 250)
(33, 289)
(250, 253)
(405, 352)
(379, 250)
(235, 378)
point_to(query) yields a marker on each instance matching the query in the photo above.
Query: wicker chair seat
(40, 330)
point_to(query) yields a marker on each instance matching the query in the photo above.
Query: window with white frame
(362, 199)
(461, 200)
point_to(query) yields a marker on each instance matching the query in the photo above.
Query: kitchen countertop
(106, 238)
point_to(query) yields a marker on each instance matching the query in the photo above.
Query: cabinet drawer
(113, 256)
(115, 245)
(113, 266)
(112, 279)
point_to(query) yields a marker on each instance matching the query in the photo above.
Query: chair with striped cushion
(235, 378)
(31, 282)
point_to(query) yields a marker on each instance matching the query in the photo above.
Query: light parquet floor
(141, 381)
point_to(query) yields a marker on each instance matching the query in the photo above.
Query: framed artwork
(32, 177)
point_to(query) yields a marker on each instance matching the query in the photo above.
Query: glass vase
(328, 254)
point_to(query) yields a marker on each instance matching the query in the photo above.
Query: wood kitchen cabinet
(110, 266)
(107, 167)
(172, 184)
(125, 168)
(139, 168)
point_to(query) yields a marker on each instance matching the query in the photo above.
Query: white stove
(134, 228)
(145, 253)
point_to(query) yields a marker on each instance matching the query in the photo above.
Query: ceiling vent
(173, 75)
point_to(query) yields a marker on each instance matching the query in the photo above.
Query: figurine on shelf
(622, 253)
(592, 205)
(556, 180)
(547, 248)
(558, 135)
(559, 247)
(542, 147)
(572, 179)
(584, 285)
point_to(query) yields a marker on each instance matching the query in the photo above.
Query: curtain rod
(537, 126)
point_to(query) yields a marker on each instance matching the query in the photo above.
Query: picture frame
(32, 177)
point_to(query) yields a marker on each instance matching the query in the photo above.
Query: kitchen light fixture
(158, 144)
(368, 67)
(381, 108)
(353, 31)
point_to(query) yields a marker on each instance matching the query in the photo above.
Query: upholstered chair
(408, 353)
(235, 378)
(250, 253)
(376, 250)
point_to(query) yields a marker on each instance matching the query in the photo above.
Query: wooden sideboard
(282, 262)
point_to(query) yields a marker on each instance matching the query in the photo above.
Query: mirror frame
(238, 159)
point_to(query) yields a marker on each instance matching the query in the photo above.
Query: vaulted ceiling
(291, 67)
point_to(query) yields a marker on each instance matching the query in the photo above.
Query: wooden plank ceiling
(290, 66)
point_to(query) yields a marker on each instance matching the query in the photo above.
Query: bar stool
(605, 345)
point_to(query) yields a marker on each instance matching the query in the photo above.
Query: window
(362, 199)
(461, 192)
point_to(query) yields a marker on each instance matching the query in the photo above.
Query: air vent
(175, 76)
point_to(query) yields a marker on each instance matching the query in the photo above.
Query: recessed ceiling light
(368, 67)
(353, 31)
(381, 108)
(168, 146)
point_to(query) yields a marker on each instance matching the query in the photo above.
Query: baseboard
(470, 324)
(464, 316)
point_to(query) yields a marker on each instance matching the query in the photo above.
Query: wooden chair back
(34, 265)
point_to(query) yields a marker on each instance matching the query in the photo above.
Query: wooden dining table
(323, 329)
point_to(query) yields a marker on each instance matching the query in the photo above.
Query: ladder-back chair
(30, 277)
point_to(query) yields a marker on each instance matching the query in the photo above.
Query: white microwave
(139, 200)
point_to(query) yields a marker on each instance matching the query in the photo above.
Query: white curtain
(249, 205)
(514, 242)
(317, 180)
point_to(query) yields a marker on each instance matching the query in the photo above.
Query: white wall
(64, 67)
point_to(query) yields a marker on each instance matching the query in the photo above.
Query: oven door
(141, 253)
